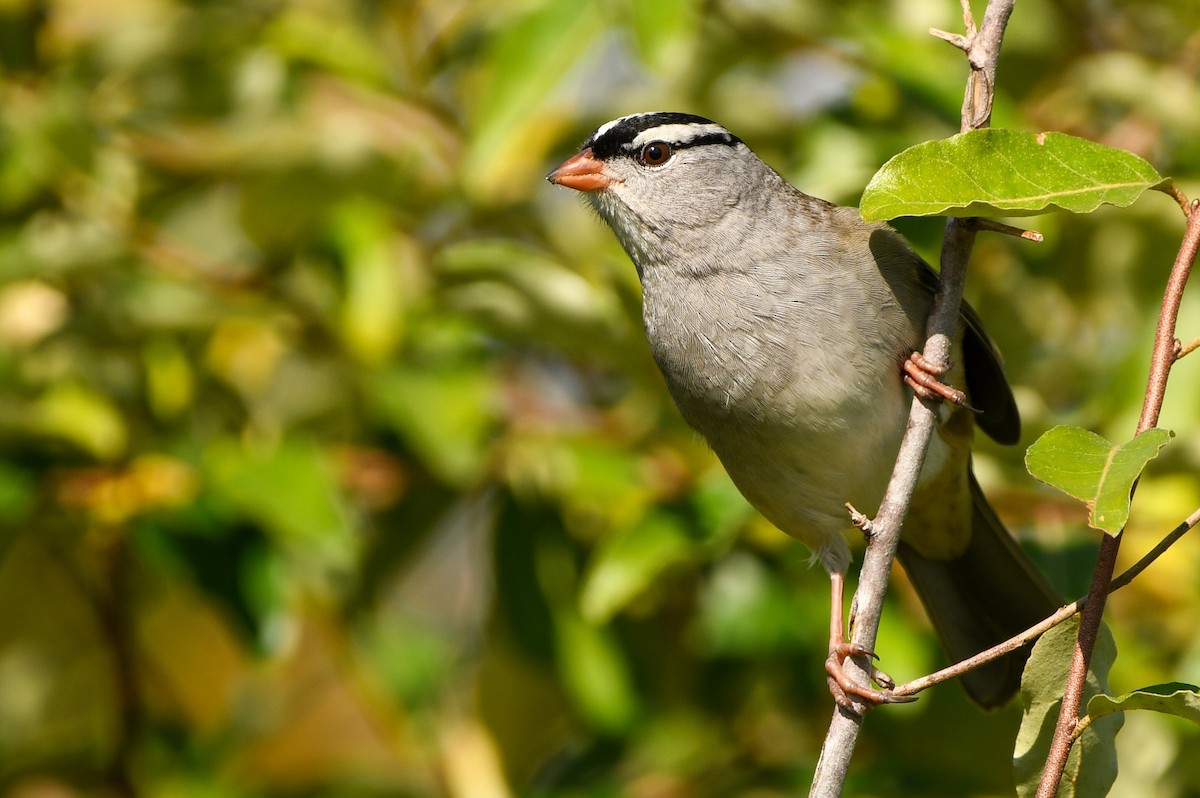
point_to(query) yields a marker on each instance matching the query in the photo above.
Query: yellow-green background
(333, 463)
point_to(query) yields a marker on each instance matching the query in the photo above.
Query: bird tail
(989, 593)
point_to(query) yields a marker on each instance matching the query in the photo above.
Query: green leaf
(511, 126)
(291, 490)
(523, 292)
(1172, 698)
(595, 673)
(170, 383)
(372, 317)
(1092, 766)
(329, 40)
(998, 172)
(748, 610)
(444, 411)
(81, 415)
(1094, 470)
(630, 561)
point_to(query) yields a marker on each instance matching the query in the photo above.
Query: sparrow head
(642, 147)
(655, 176)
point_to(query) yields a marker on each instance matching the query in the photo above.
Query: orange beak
(582, 172)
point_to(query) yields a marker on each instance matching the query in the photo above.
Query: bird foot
(922, 376)
(846, 691)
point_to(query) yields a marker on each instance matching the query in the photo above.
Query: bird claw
(846, 692)
(922, 376)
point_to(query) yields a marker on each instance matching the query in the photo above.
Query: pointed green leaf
(1172, 698)
(997, 172)
(1092, 766)
(1094, 470)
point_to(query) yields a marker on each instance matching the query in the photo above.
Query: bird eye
(656, 153)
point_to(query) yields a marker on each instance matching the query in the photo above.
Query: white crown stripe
(678, 134)
(607, 126)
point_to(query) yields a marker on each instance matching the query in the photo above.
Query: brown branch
(834, 762)
(995, 652)
(968, 17)
(1040, 628)
(1164, 339)
(1165, 355)
(982, 55)
(982, 50)
(1176, 193)
(955, 39)
(1167, 542)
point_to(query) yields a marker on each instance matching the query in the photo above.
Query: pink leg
(844, 689)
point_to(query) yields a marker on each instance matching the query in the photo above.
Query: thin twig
(1180, 198)
(995, 652)
(982, 56)
(1040, 628)
(956, 39)
(968, 17)
(1164, 357)
(982, 53)
(1164, 340)
(1188, 348)
(834, 762)
(1167, 542)
(991, 225)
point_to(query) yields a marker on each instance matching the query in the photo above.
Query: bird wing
(986, 383)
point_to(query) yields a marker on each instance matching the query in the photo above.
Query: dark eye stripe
(699, 141)
(618, 137)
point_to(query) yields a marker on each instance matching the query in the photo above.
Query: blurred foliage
(334, 462)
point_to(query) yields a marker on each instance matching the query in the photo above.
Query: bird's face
(662, 181)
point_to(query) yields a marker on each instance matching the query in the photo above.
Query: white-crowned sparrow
(784, 327)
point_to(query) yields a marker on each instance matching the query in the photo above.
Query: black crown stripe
(618, 138)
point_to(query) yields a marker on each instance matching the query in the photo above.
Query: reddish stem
(1165, 354)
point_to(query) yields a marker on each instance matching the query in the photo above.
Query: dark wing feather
(986, 384)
